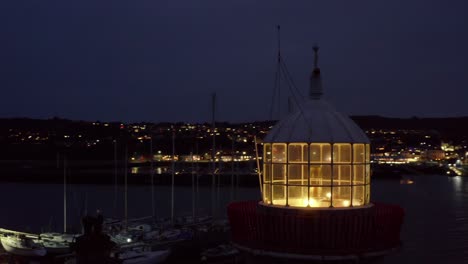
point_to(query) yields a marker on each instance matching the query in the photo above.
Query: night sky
(160, 60)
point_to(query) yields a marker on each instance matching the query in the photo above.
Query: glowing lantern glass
(316, 174)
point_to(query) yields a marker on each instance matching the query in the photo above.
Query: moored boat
(22, 246)
(54, 247)
(59, 237)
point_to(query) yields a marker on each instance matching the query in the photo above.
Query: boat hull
(27, 252)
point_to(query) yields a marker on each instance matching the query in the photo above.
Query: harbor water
(435, 228)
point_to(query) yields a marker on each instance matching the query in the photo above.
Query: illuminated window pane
(279, 153)
(359, 173)
(358, 153)
(297, 196)
(315, 153)
(297, 174)
(295, 153)
(267, 152)
(320, 197)
(266, 193)
(305, 153)
(320, 153)
(367, 153)
(279, 173)
(341, 196)
(368, 173)
(320, 175)
(358, 195)
(326, 153)
(266, 172)
(279, 195)
(341, 175)
(342, 153)
(367, 198)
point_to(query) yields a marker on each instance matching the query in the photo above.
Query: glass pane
(267, 152)
(320, 153)
(341, 153)
(279, 152)
(320, 197)
(266, 193)
(297, 196)
(341, 174)
(295, 153)
(297, 174)
(341, 196)
(326, 153)
(305, 153)
(359, 172)
(266, 172)
(279, 195)
(320, 175)
(358, 154)
(368, 173)
(315, 153)
(279, 173)
(367, 198)
(358, 195)
(367, 153)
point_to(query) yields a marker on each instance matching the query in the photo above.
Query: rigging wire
(282, 72)
(296, 97)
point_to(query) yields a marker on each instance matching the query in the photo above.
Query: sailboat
(22, 245)
(58, 243)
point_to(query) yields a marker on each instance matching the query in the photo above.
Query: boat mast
(172, 176)
(232, 168)
(115, 176)
(64, 194)
(193, 186)
(197, 169)
(213, 155)
(126, 188)
(153, 211)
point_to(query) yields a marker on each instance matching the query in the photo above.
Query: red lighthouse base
(307, 233)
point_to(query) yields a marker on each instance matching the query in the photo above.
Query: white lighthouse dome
(316, 121)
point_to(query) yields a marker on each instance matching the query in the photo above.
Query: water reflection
(457, 183)
(406, 181)
(436, 218)
(147, 170)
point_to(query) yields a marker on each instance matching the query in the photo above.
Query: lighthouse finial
(315, 78)
(315, 48)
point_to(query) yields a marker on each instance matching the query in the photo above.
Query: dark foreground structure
(315, 234)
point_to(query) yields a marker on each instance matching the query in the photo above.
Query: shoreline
(103, 173)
